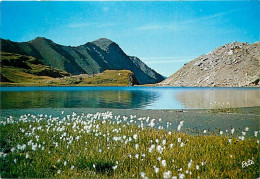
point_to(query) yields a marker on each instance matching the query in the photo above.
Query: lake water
(128, 97)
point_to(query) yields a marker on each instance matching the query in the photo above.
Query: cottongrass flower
(221, 132)
(135, 136)
(136, 146)
(163, 163)
(114, 167)
(179, 140)
(197, 167)
(156, 169)
(65, 163)
(256, 132)
(232, 130)
(159, 149)
(142, 174)
(72, 167)
(58, 171)
(182, 144)
(243, 133)
(181, 175)
(137, 156)
(246, 129)
(167, 174)
(180, 125)
(189, 164)
(204, 131)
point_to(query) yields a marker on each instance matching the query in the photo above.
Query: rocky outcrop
(90, 58)
(232, 65)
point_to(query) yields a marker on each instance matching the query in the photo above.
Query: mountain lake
(128, 97)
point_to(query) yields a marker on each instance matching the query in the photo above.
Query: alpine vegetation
(102, 145)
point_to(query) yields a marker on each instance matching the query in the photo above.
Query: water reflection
(101, 98)
(219, 98)
(128, 97)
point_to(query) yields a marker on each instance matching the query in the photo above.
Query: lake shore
(194, 119)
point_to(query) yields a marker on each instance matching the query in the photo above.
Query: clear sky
(165, 35)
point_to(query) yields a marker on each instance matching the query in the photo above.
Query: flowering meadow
(101, 145)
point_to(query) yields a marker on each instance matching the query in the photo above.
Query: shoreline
(194, 119)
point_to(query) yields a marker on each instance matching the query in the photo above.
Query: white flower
(114, 167)
(221, 132)
(182, 144)
(15, 160)
(181, 175)
(229, 140)
(179, 139)
(167, 174)
(156, 170)
(204, 131)
(65, 163)
(197, 167)
(246, 129)
(72, 167)
(94, 166)
(136, 155)
(135, 136)
(163, 163)
(136, 146)
(142, 174)
(256, 133)
(189, 164)
(159, 158)
(171, 145)
(159, 149)
(232, 130)
(58, 171)
(163, 142)
(243, 133)
(27, 155)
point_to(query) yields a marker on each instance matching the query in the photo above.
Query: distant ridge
(90, 58)
(232, 65)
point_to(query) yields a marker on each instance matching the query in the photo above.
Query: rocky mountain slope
(90, 58)
(232, 65)
(22, 70)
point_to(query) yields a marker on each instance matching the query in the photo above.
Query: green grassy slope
(91, 58)
(21, 70)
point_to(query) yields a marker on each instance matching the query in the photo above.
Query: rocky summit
(91, 58)
(232, 65)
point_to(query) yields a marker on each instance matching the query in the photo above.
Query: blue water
(128, 97)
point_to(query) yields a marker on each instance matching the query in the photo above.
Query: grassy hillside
(91, 58)
(21, 70)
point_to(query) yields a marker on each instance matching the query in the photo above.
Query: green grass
(102, 145)
(23, 70)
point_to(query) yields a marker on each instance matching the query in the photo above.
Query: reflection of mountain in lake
(219, 98)
(78, 99)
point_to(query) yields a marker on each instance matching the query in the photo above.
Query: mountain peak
(231, 65)
(41, 39)
(103, 43)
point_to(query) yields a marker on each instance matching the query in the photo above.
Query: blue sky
(165, 35)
